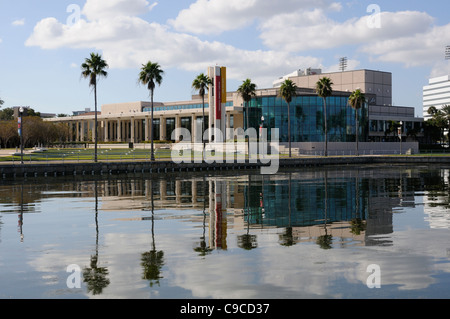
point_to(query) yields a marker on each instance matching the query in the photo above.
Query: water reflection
(319, 204)
(96, 277)
(329, 209)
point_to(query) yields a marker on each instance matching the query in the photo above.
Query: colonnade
(136, 129)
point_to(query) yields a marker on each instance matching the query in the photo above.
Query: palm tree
(247, 90)
(356, 101)
(94, 68)
(324, 90)
(150, 75)
(201, 83)
(287, 92)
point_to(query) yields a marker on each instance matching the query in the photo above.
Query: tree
(150, 75)
(356, 101)
(7, 114)
(438, 120)
(287, 92)
(1, 102)
(445, 111)
(324, 90)
(247, 90)
(8, 131)
(201, 83)
(94, 68)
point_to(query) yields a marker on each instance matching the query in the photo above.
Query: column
(162, 128)
(193, 128)
(106, 130)
(177, 126)
(82, 131)
(119, 131)
(147, 129)
(132, 130)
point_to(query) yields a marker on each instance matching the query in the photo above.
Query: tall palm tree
(247, 90)
(94, 68)
(288, 90)
(150, 75)
(201, 83)
(324, 90)
(356, 101)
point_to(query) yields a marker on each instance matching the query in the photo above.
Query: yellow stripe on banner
(223, 79)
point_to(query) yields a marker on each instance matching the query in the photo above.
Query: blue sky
(43, 43)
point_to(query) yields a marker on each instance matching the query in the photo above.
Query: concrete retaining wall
(59, 169)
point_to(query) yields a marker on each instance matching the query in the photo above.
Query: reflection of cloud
(269, 271)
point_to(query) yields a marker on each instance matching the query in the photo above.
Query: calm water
(298, 234)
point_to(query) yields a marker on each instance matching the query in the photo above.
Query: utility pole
(343, 64)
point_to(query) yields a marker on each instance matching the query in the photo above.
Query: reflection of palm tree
(324, 241)
(153, 260)
(356, 224)
(247, 241)
(287, 239)
(203, 250)
(96, 277)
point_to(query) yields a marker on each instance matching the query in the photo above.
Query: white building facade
(436, 93)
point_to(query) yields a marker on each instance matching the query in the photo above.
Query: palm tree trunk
(325, 125)
(289, 128)
(95, 123)
(356, 133)
(151, 128)
(203, 123)
(248, 135)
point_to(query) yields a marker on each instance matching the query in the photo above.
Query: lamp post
(20, 127)
(400, 136)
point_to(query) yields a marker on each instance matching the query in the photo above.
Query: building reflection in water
(306, 206)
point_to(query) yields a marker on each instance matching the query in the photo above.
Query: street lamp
(400, 136)
(20, 126)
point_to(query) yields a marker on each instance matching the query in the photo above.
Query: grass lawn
(103, 154)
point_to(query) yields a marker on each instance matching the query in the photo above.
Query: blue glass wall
(307, 124)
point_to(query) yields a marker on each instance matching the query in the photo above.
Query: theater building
(130, 122)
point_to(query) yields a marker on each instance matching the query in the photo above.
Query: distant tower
(343, 64)
(447, 52)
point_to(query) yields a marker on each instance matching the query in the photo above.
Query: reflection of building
(351, 204)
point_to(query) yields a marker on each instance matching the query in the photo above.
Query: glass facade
(307, 124)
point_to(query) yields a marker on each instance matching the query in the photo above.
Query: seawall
(64, 169)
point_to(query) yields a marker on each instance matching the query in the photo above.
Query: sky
(44, 42)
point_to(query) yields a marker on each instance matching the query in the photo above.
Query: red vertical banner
(218, 97)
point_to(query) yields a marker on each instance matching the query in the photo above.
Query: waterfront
(302, 233)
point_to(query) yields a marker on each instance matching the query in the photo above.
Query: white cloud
(18, 23)
(423, 48)
(305, 30)
(217, 16)
(128, 41)
(95, 9)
